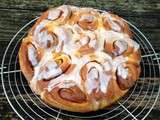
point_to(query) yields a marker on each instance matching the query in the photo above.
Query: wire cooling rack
(136, 104)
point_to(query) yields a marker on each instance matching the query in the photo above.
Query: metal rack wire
(28, 105)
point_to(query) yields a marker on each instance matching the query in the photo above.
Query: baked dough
(80, 59)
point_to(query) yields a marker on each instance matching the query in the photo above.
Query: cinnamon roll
(79, 59)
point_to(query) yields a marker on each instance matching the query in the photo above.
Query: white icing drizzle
(87, 40)
(90, 38)
(135, 45)
(88, 18)
(118, 60)
(61, 84)
(74, 76)
(63, 10)
(102, 56)
(77, 29)
(107, 65)
(46, 69)
(63, 37)
(54, 14)
(122, 46)
(32, 55)
(101, 38)
(104, 80)
(96, 78)
(62, 34)
(66, 11)
(51, 70)
(84, 40)
(44, 38)
(39, 27)
(93, 43)
(112, 35)
(123, 72)
(113, 24)
(92, 81)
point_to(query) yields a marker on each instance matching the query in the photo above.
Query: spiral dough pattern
(79, 59)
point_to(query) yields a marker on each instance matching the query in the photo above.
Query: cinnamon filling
(63, 62)
(72, 94)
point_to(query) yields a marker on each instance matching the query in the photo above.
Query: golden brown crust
(24, 62)
(50, 64)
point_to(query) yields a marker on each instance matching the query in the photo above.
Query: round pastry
(80, 59)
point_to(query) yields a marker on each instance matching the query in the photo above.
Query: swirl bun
(79, 59)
